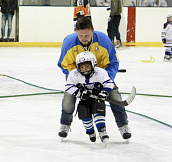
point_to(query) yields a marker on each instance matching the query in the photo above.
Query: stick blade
(131, 96)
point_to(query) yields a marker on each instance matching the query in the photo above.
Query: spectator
(114, 21)
(154, 3)
(7, 8)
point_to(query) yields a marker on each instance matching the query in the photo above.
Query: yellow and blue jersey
(101, 46)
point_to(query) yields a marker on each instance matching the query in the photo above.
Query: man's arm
(67, 60)
(14, 5)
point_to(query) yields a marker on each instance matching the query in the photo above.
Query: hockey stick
(123, 103)
(122, 70)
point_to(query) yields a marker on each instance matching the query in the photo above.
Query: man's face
(85, 36)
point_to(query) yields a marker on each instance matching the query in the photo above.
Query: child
(166, 36)
(88, 79)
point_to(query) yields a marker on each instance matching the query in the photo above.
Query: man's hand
(109, 18)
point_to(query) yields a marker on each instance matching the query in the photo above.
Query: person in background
(166, 36)
(81, 9)
(86, 39)
(154, 3)
(88, 79)
(129, 3)
(7, 8)
(114, 21)
(103, 2)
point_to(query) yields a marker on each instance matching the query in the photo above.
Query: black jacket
(8, 8)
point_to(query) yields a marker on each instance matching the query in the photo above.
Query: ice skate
(103, 136)
(167, 58)
(92, 136)
(125, 132)
(63, 132)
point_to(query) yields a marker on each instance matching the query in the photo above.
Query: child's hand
(103, 95)
(164, 40)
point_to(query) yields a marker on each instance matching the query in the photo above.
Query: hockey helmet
(83, 57)
(168, 16)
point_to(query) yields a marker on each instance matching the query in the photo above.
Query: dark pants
(113, 28)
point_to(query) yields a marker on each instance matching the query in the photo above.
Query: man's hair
(84, 23)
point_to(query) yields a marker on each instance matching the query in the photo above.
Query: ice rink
(29, 124)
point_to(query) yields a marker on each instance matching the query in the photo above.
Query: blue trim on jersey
(165, 25)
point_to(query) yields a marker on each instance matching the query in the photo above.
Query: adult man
(154, 3)
(86, 39)
(114, 21)
(7, 8)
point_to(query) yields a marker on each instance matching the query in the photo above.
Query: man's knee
(115, 95)
(68, 103)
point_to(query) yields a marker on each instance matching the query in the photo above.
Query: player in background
(86, 39)
(88, 79)
(154, 3)
(81, 9)
(166, 35)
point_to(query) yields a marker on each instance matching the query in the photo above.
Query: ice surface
(29, 125)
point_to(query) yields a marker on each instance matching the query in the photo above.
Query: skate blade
(61, 139)
(127, 141)
(105, 142)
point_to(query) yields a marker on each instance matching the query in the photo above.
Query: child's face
(170, 19)
(84, 67)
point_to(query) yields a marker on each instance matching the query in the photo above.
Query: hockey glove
(97, 88)
(164, 40)
(82, 93)
(103, 95)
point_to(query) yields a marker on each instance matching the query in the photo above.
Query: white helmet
(169, 15)
(86, 56)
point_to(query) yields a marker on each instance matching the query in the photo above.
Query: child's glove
(164, 40)
(103, 95)
(82, 93)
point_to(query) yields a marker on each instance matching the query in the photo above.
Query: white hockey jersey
(166, 33)
(100, 76)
